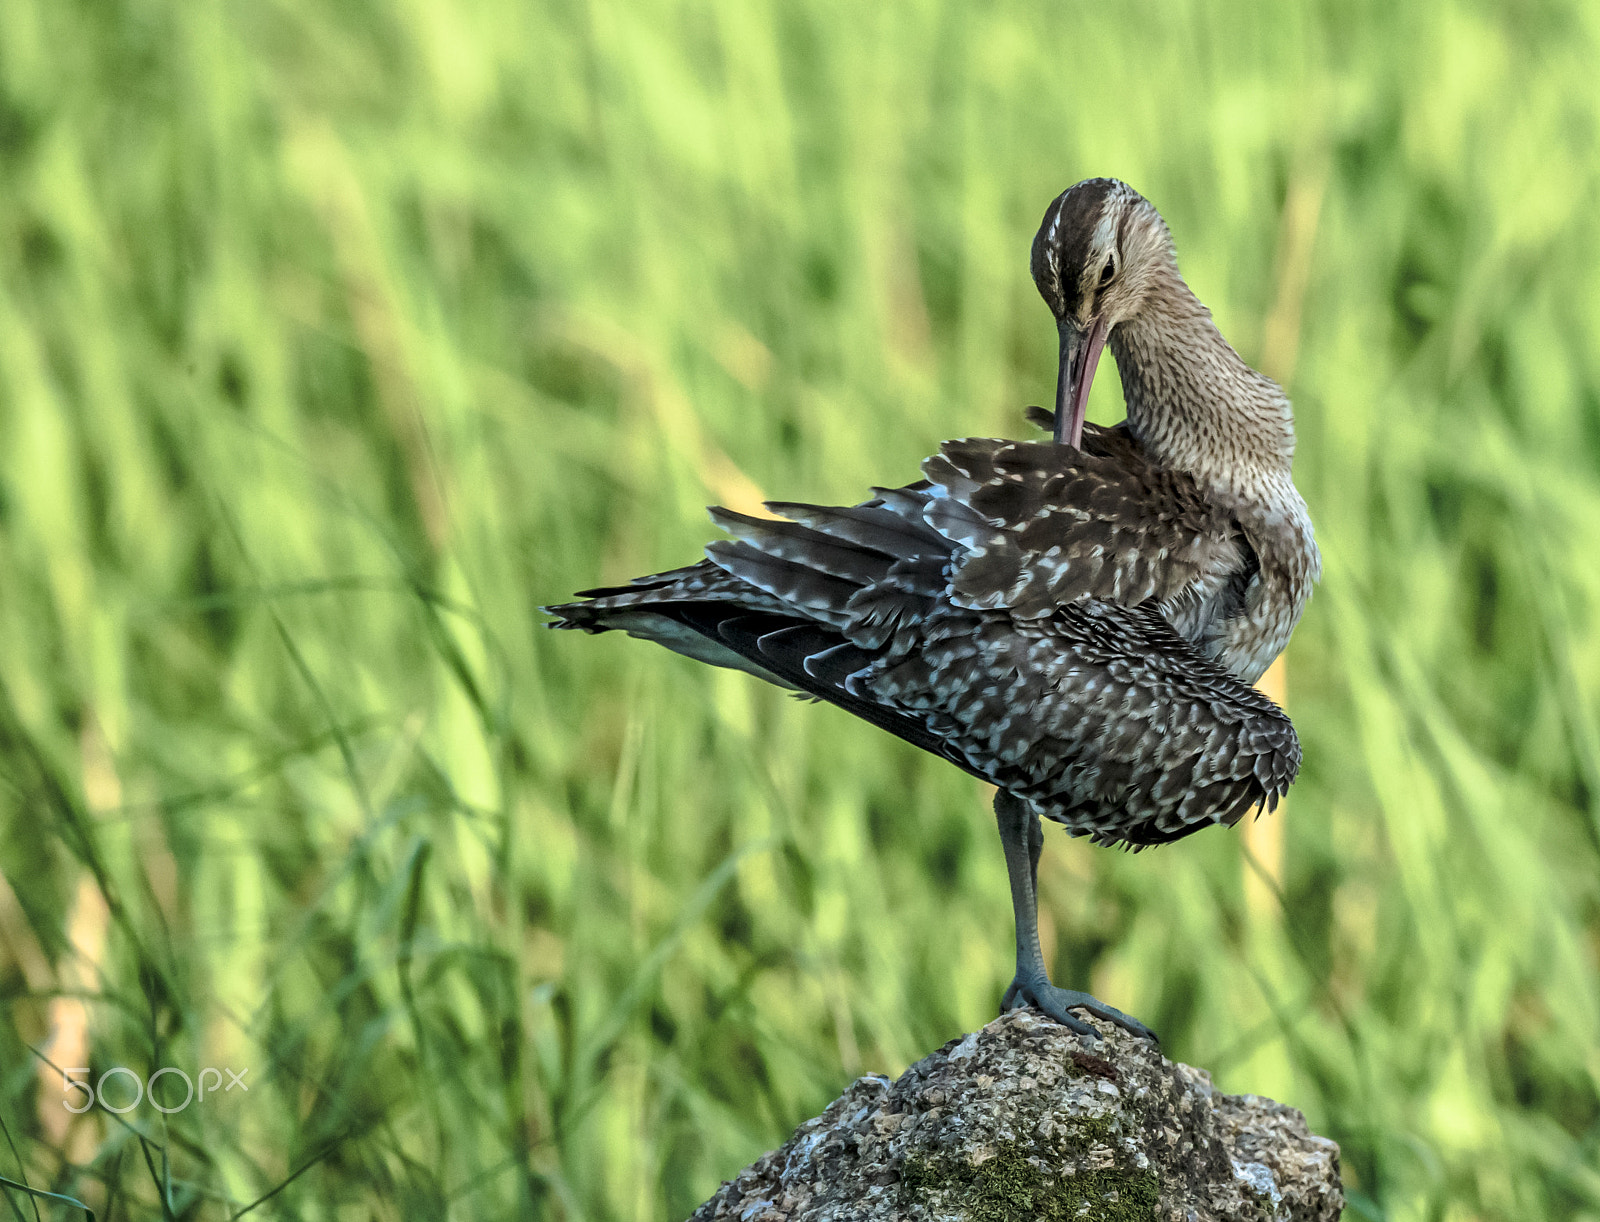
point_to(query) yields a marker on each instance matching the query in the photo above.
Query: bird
(1077, 620)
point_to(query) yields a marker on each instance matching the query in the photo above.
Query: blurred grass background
(334, 338)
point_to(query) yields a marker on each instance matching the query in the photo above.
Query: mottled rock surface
(1025, 1120)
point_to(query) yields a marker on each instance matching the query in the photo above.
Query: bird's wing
(1040, 526)
(1101, 714)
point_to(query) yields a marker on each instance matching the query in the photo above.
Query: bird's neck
(1194, 403)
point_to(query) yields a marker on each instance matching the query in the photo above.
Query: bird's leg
(1022, 836)
(1034, 829)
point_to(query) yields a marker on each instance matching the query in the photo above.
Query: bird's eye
(1108, 271)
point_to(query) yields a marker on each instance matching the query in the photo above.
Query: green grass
(335, 338)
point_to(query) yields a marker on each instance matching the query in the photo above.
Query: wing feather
(1042, 526)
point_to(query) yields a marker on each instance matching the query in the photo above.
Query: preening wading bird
(1076, 621)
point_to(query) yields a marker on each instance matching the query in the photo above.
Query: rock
(1025, 1120)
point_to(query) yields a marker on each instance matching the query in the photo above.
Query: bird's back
(1035, 614)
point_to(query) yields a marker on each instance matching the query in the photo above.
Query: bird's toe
(1058, 1004)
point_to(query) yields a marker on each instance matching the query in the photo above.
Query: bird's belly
(1241, 635)
(1247, 643)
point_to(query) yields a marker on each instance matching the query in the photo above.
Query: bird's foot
(1058, 1002)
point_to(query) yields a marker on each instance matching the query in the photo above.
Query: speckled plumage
(1077, 624)
(1007, 614)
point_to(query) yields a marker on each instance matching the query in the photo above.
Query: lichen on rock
(1025, 1120)
(1011, 1184)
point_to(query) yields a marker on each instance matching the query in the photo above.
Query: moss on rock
(1010, 1186)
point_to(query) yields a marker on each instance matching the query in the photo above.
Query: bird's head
(1097, 257)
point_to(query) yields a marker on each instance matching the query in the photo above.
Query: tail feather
(820, 595)
(806, 547)
(883, 530)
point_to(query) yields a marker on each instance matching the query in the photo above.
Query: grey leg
(1035, 838)
(1022, 836)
